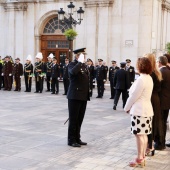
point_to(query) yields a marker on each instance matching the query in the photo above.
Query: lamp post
(70, 20)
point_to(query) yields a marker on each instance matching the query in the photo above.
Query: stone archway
(50, 39)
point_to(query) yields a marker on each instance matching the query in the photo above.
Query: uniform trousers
(18, 82)
(77, 110)
(55, 85)
(0, 81)
(117, 95)
(28, 82)
(8, 83)
(100, 87)
(39, 83)
(66, 83)
(49, 83)
(112, 90)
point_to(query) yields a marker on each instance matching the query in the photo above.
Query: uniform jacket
(101, 72)
(91, 71)
(65, 72)
(139, 101)
(112, 72)
(7, 68)
(18, 69)
(131, 72)
(121, 80)
(28, 69)
(165, 89)
(39, 68)
(79, 81)
(1, 68)
(48, 67)
(55, 71)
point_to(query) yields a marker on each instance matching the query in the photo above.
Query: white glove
(104, 80)
(58, 78)
(20, 76)
(2, 74)
(81, 58)
(10, 74)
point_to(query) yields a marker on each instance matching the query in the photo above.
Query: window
(58, 44)
(54, 24)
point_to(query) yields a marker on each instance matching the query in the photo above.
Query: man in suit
(101, 78)
(1, 64)
(65, 76)
(92, 74)
(164, 99)
(131, 71)
(112, 71)
(78, 94)
(48, 67)
(121, 84)
(55, 74)
(7, 72)
(17, 73)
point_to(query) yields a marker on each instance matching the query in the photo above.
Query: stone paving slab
(33, 135)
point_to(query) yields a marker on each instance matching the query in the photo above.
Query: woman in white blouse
(140, 108)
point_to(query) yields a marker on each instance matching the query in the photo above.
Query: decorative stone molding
(99, 3)
(15, 7)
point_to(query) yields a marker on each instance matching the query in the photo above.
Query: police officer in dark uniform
(39, 73)
(48, 67)
(7, 72)
(112, 71)
(101, 78)
(78, 94)
(131, 71)
(65, 76)
(17, 72)
(121, 84)
(55, 74)
(28, 73)
(92, 74)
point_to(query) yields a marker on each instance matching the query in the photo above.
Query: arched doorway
(53, 40)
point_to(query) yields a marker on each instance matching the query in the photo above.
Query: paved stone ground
(33, 135)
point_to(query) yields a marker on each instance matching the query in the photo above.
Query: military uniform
(7, 71)
(28, 71)
(101, 78)
(78, 94)
(131, 72)
(48, 67)
(112, 71)
(121, 84)
(17, 73)
(1, 65)
(39, 78)
(55, 74)
(65, 79)
(92, 76)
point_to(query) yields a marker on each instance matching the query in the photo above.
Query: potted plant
(70, 34)
(168, 47)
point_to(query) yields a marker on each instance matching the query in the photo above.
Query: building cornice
(15, 6)
(99, 3)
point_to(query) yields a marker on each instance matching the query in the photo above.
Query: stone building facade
(111, 29)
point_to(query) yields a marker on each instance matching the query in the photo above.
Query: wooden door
(56, 44)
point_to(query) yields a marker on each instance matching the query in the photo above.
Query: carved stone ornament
(98, 3)
(15, 6)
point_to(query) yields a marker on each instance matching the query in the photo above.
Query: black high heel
(150, 152)
(153, 152)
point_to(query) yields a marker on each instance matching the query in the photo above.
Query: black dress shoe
(47, 90)
(168, 144)
(99, 97)
(82, 143)
(114, 107)
(111, 98)
(36, 92)
(15, 90)
(74, 144)
(40, 91)
(52, 93)
(26, 91)
(64, 94)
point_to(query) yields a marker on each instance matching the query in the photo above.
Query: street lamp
(70, 20)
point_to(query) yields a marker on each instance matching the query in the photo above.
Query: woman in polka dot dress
(140, 108)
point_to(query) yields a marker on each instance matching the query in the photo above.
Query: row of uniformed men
(50, 70)
(12, 72)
